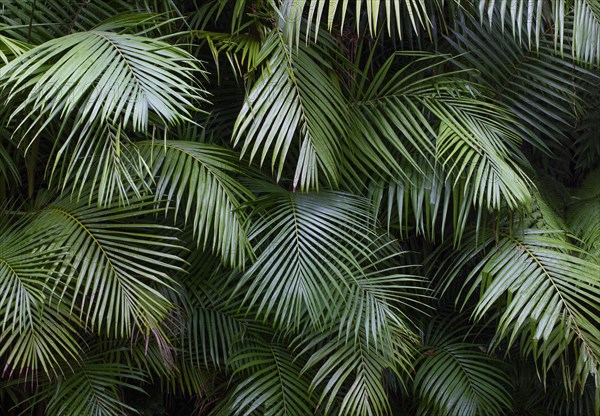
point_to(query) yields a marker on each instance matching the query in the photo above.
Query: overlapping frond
(476, 150)
(572, 23)
(446, 117)
(242, 50)
(438, 146)
(214, 326)
(349, 373)
(541, 88)
(315, 258)
(458, 379)
(115, 262)
(546, 291)
(157, 263)
(93, 389)
(99, 76)
(455, 377)
(426, 202)
(36, 331)
(307, 243)
(295, 107)
(36, 22)
(198, 180)
(321, 269)
(270, 383)
(113, 167)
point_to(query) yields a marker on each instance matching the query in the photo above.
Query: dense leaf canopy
(299, 207)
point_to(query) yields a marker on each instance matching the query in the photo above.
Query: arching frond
(349, 372)
(455, 377)
(471, 147)
(37, 332)
(269, 382)
(322, 269)
(436, 145)
(105, 162)
(295, 102)
(94, 388)
(197, 179)
(115, 262)
(121, 79)
(307, 243)
(459, 379)
(316, 259)
(545, 290)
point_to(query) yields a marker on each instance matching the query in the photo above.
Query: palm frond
(269, 381)
(291, 276)
(318, 270)
(37, 22)
(541, 88)
(94, 388)
(115, 262)
(473, 148)
(198, 180)
(214, 326)
(11, 48)
(455, 377)
(436, 146)
(459, 379)
(349, 372)
(575, 24)
(37, 332)
(546, 291)
(586, 31)
(159, 363)
(426, 202)
(121, 79)
(583, 215)
(396, 13)
(242, 50)
(104, 163)
(294, 97)
(8, 168)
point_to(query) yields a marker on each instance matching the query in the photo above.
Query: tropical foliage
(299, 207)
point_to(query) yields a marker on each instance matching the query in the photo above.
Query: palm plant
(277, 207)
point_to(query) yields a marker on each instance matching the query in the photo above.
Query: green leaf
(101, 76)
(116, 263)
(269, 381)
(198, 179)
(455, 377)
(547, 293)
(94, 388)
(37, 332)
(293, 102)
